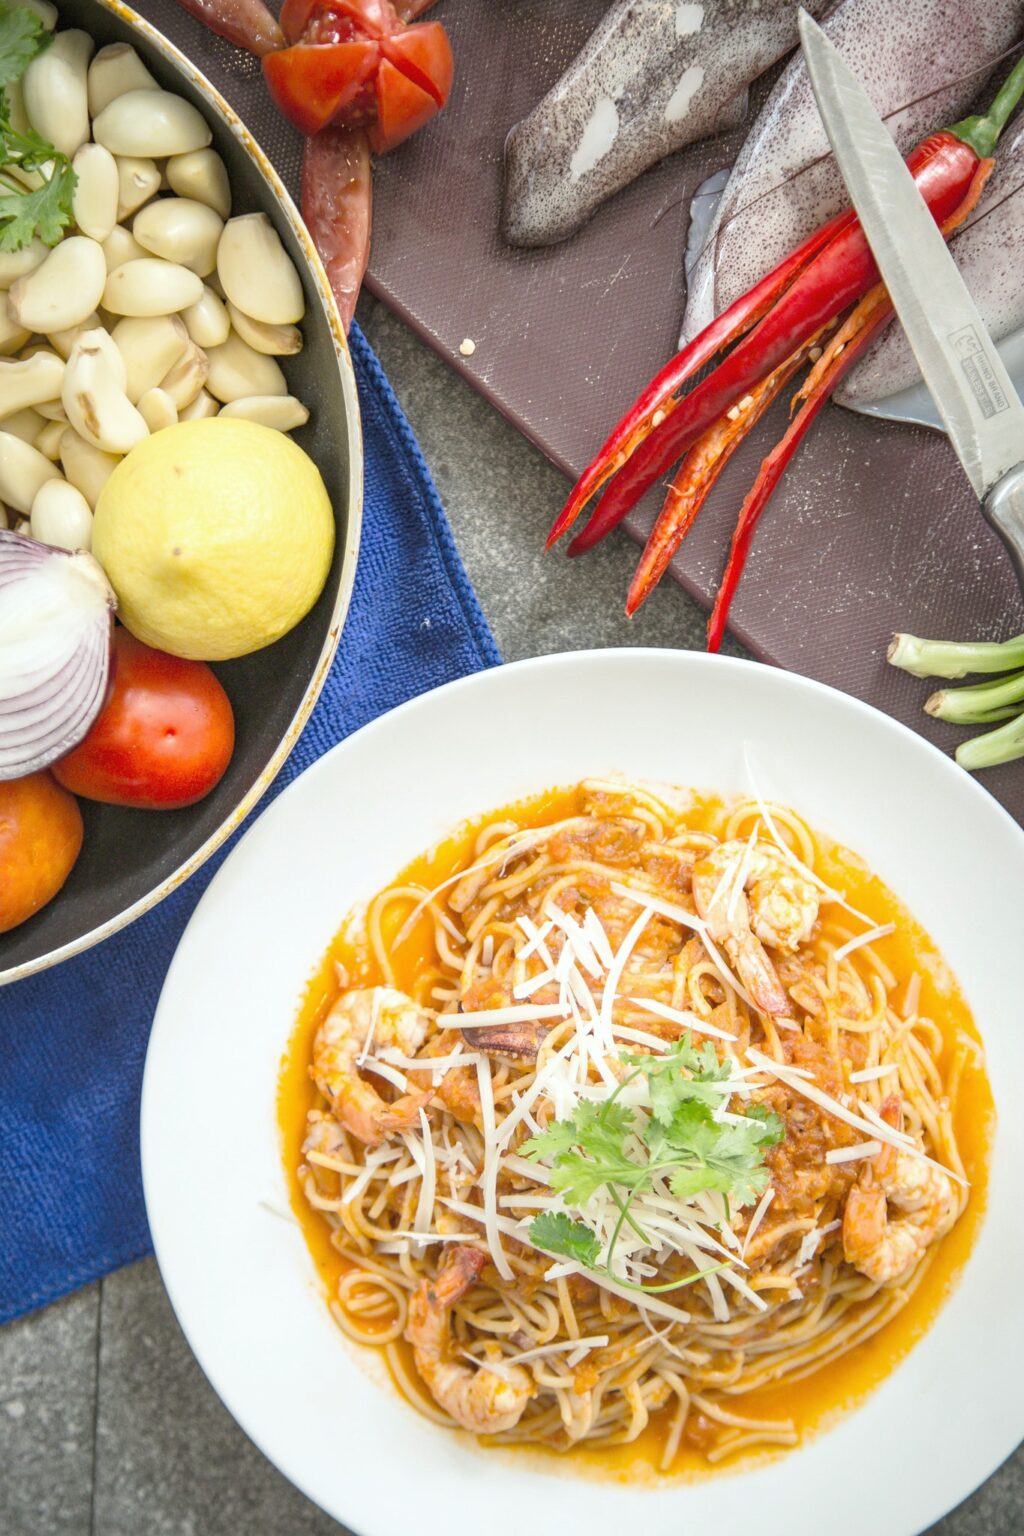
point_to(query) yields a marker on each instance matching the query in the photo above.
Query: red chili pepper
(356, 64)
(772, 329)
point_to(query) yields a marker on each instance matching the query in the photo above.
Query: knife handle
(1004, 508)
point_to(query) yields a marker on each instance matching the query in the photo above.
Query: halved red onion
(56, 618)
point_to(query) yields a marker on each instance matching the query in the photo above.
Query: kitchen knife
(971, 388)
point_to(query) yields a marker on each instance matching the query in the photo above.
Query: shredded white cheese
(833, 1106)
(687, 920)
(574, 1348)
(854, 1154)
(594, 929)
(423, 1221)
(872, 1074)
(758, 1216)
(381, 1069)
(521, 1013)
(576, 940)
(685, 1017)
(489, 1182)
(881, 932)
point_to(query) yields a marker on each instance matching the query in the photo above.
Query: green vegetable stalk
(999, 699)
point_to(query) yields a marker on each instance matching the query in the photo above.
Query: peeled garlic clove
(257, 273)
(150, 345)
(272, 340)
(236, 371)
(115, 70)
(63, 341)
(25, 424)
(158, 410)
(137, 181)
(150, 286)
(46, 12)
(184, 381)
(202, 406)
(15, 264)
(121, 246)
(207, 322)
(30, 382)
(95, 199)
(151, 124)
(61, 292)
(12, 336)
(52, 410)
(47, 440)
(87, 468)
(282, 412)
(23, 469)
(201, 175)
(55, 94)
(94, 396)
(182, 230)
(61, 516)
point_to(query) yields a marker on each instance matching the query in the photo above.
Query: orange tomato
(40, 839)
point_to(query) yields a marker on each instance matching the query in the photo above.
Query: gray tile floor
(107, 1425)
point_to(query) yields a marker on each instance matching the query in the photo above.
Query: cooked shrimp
(391, 1019)
(876, 1240)
(458, 1089)
(478, 1398)
(749, 896)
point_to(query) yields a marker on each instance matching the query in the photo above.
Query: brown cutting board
(874, 528)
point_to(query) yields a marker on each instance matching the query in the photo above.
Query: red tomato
(163, 739)
(352, 63)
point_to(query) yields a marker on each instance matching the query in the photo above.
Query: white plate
(240, 1278)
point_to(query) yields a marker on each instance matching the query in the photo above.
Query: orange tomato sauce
(816, 1402)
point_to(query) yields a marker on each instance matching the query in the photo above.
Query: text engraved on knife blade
(967, 345)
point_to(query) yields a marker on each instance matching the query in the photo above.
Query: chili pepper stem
(982, 132)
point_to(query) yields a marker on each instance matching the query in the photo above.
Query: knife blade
(971, 388)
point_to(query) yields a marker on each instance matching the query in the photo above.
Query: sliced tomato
(424, 54)
(313, 84)
(402, 107)
(353, 64)
(295, 16)
(336, 203)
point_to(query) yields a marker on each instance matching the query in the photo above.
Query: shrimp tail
(761, 980)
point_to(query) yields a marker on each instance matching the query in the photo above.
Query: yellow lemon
(217, 536)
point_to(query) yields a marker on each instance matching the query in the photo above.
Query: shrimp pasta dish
(627, 1117)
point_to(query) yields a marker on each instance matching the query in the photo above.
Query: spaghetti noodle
(640, 960)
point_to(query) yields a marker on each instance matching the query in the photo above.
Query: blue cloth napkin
(73, 1040)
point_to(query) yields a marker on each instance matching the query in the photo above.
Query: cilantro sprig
(27, 212)
(608, 1146)
(22, 37)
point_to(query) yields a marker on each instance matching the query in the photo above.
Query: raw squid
(933, 54)
(654, 76)
(989, 251)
